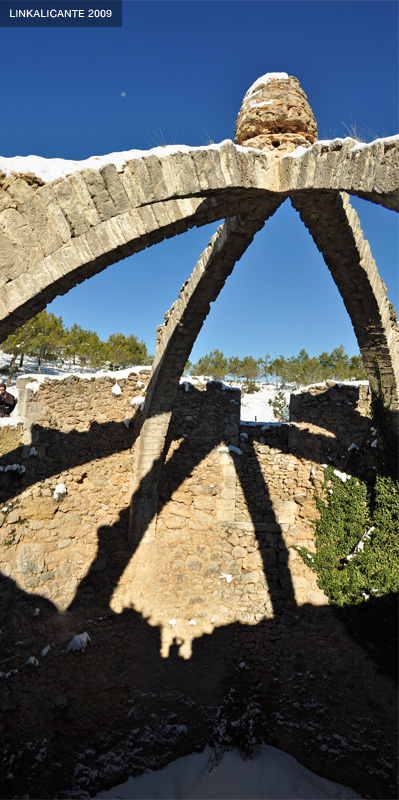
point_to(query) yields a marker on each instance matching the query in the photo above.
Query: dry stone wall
(233, 502)
(216, 603)
(176, 578)
(76, 433)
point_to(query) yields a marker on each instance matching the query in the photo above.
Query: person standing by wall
(7, 401)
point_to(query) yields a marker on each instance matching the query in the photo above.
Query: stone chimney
(275, 116)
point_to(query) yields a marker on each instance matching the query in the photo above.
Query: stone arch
(335, 228)
(175, 340)
(56, 235)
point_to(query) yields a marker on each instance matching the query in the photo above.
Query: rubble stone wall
(217, 601)
(78, 434)
(231, 499)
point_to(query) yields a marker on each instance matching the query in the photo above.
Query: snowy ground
(254, 407)
(272, 775)
(30, 368)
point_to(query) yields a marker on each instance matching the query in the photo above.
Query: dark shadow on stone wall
(60, 451)
(87, 719)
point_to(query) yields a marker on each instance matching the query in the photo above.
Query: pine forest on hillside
(44, 337)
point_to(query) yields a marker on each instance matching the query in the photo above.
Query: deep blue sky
(183, 68)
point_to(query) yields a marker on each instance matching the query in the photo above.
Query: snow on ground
(271, 775)
(254, 407)
(52, 369)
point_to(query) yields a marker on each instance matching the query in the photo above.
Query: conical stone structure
(275, 115)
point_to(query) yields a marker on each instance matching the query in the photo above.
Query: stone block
(204, 503)
(194, 564)
(153, 165)
(316, 597)
(33, 208)
(247, 170)
(251, 577)
(238, 552)
(141, 184)
(6, 201)
(131, 226)
(161, 213)
(229, 164)
(83, 194)
(12, 263)
(41, 508)
(55, 212)
(17, 231)
(114, 185)
(30, 558)
(182, 495)
(19, 291)
(204, 489)
(208, 169)
(99, 194)
(102, 240)
(181, 510)
(148, 219)
(71, 207)
(77, 253)
(173, 521)
(131, 188)
(252, 561)
(178, 175)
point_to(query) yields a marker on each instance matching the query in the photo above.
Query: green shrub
(357, 542)
(250, 387)
(278, 404)
(357, 557)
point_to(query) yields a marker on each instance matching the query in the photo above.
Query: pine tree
(235, 367)
(215, 365)
(265, 367)
(73, 340)
(18, 344)
(249, 368)
(126, 351)
(47, 337)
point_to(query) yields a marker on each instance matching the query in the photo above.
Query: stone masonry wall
(74, 434)
(280, 466)
(77, 433)
(217, 603)
(175, 579)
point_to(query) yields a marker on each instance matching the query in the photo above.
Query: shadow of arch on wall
(55, 236)
(131, 664)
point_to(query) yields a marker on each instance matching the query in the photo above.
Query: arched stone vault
(56, 235)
